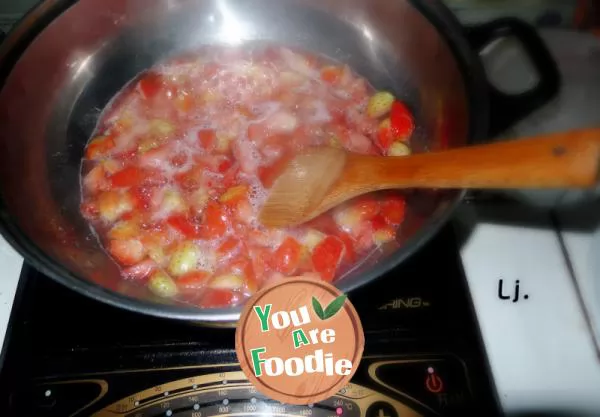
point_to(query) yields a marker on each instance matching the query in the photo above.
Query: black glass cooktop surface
(67, 355)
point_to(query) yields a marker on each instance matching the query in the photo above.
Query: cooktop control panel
(383, 387)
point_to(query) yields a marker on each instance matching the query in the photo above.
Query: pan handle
(507, 109)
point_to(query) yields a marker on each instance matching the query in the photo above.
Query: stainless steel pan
(66, 59)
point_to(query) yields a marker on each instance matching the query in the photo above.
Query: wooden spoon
(322, 178)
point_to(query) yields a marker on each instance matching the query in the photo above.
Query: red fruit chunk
(207, 138)
(214, 224)
(128, 177)
(141, 270)
(216, 298)
(393, 210)
(287, 257)
(327, 256)
(150, 85)
(228, 247)
(401, 121)
(193, 280)
(183, 225)
(127, 252)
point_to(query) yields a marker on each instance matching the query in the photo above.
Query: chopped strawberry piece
(96, 180)
(260, 262)
(378, 222)
(190, 180)
(152, 177)
(127, 252)
(193, 280)
(393, 210)
(384, 235)
(142, 197)
(214, 223)
(234, 195)
(327, 256)
(100, 147)
(381, 231)
(216, 298)
(151, 85)
(242, 266)
(287, 257)
(141, 270)
(331, 74)
(385, 136)
(366, 208)
(183, 225)
(228, 247)
(224, 165)
(179, 159)
(207, 138)
(127, 177)
(401, 121)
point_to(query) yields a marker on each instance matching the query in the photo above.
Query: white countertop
(10, 271)
(541, 351)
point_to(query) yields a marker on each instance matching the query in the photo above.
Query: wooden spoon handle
(563, 160)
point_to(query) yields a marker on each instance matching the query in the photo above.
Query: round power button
(433, 382)
(381, 409)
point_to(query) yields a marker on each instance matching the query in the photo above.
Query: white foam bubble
(207, 260)
(321, 114)
(257, 195)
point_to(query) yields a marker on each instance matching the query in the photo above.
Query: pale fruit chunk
(96, 180)
(282, 122)
(172, 203)
(126, 229)
(384, 235)
(380, 104)
(348, 219)
(224, 140)
(128, 251)
(184, 259)
(399, 148)
(161, 127)
(312, 238)
(114, 204)
(157, 254)
(291, 79)
(227, 282)
(162, 285)
(148, 144)
(111, 166)
(234, 194)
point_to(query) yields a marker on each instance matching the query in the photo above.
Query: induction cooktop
(67, 355)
